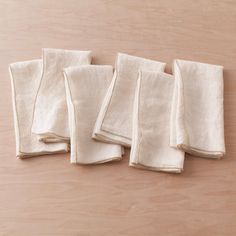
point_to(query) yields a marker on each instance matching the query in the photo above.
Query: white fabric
(85, 89)
(25, 79)
(197, 118)
(151, 124)
(50, 116)
(114, 122)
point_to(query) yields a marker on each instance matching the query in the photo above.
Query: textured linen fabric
(25, 79)
(114, 122)
(50, 120)
(151, 124)
(197, 117)
(85, 89)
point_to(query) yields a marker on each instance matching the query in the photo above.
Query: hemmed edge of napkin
(168, 169)
(25, 155)
(201, 153)
(50, 137)
(72, 120)
(15, 118)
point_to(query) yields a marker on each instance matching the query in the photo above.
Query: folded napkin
(85, 90)
(151, 124)
(114, 122)
(25, 79)
(197, 120)
(50, 120)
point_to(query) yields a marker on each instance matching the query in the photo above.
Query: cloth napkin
(197, 117)
(50, 120)
(114, 123)
(25, 79)
(151, 124)
(85, 90)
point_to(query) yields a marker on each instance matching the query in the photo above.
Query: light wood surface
(49, 196)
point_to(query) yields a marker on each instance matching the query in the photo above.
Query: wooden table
(49, 196)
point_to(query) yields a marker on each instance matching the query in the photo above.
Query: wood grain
(49, 196)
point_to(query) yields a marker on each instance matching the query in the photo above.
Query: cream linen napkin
(151, 124)
(25, 79)
(50, 120)
(114, 122)
(197, 120)
(85, 90)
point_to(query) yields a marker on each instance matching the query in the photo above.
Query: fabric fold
(25, 80)
(86, 87)
(114, 122)
(151, 124)
(50, 120)
(197, 117)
